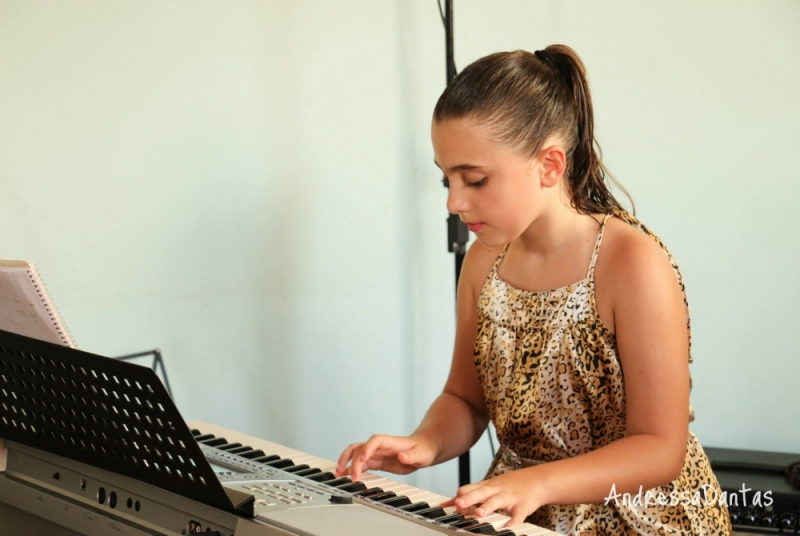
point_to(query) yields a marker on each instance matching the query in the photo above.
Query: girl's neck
(555, 229)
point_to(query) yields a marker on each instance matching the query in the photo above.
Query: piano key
(251, 454)
(353, 487)
(506, 532)
(237, 450)
(266, 459)
(450, 519)
(369, 479)
(483, 528)
(203, 437)
(295, 468)
(368, 492)
(416, 507)
(338, 481)
(322, 477)
(432, 513)
(229, 446)
(466, 523)
(383, 496)
(402, 500)
(284, 462)
(215, 442)
(308, 472)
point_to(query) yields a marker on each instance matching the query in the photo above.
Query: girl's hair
(526, 98)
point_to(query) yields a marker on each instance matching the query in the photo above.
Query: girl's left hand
(516, 492)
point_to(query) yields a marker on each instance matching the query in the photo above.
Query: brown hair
(526, 98)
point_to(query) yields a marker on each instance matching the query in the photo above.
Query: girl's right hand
(400, 455)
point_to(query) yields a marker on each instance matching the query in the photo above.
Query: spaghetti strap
(590, 274)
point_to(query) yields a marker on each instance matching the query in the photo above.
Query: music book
(26, 307)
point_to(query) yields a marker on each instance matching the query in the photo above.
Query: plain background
(249, 186)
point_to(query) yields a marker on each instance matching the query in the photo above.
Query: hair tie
(547, 58)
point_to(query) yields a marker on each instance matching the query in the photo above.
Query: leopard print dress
(554, 388)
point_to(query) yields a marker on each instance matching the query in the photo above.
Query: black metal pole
(457, 233)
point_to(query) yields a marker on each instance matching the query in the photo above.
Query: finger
(345, 457)
(476, 496)
(448, 502)
(518, 515)
(494, 503)
(463, 490)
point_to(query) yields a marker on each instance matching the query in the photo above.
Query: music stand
(106, 413)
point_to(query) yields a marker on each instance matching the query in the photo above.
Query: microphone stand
(457, 232)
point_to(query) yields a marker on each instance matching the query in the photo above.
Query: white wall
(249, 186)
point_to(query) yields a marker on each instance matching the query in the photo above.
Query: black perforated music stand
(106, 413)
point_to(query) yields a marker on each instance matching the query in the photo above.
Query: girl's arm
(649, 317)
(458, 417)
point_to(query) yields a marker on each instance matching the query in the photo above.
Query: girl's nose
(456, 202)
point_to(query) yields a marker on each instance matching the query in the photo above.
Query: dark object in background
(794, 473)
(765, 476)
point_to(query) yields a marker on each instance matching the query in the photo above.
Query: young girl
(573, 331)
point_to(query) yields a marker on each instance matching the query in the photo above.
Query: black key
(229, 446)
(237, 450)
(368, 492)
(505, 532)
(321, 477)
(483, 528)
(338, 482)
(452, 518)
(432, 513)
(280, 464)
(295, 468)
(203, 437)
(267, 459)
(308, 472)
(354, 487)
(383, 496)
(195, 432)
(465, 524)
(415, 507)
(215, 442)
(252, 454)
(397, 501)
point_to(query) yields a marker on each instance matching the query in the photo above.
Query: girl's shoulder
(632, 258)
(478, 263)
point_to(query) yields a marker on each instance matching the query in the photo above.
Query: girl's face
(493, 189)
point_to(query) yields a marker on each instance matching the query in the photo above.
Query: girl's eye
(445, 182)
(477, 184)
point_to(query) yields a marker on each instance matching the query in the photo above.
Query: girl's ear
(553, 160)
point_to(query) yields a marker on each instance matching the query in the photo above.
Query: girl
(573, 331)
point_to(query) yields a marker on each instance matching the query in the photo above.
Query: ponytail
(529, 97)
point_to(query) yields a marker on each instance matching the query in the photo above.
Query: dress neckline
(586, 280)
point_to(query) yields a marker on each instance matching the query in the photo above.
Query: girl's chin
(489, 241)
